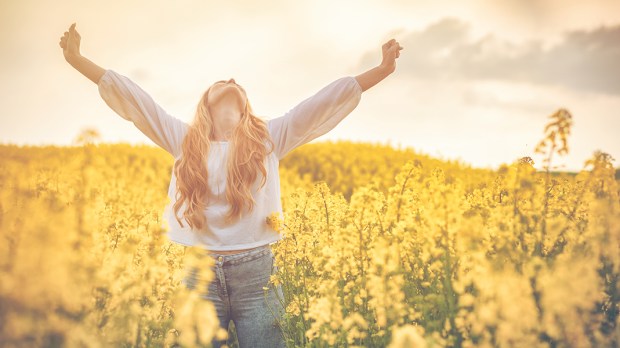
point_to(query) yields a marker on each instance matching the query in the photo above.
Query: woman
(225, 181)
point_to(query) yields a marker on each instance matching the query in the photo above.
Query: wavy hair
(245, 159)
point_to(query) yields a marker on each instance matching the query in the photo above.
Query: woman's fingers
(396, 45)
(72, 34)
(391, 51)
(71, 30)
(392, 44)
(388, 44)
(69, 37)
(396, 48)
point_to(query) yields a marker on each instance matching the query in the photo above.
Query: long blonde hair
(247, 151)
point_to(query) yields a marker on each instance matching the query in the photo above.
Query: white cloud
(583, 60)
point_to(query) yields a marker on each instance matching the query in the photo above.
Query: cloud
(583, 60)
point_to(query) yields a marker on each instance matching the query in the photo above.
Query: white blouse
(308, 120)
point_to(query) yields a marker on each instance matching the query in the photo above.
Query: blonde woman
(225, 182)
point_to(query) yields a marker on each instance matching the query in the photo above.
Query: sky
(476, 80)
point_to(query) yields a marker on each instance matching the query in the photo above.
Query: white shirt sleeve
(315, 115)
(132, 103)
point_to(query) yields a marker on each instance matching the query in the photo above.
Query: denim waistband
(243, 256)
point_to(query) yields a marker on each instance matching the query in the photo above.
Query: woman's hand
(391, 51)
(70, 43)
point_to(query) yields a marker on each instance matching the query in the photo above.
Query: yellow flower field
(383, 248)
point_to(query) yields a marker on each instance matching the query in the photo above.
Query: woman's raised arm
(391, 51)
(321, 112)
(127, 99)
(70, 43)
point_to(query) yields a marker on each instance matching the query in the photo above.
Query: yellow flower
(293, 308)
(274, 221)
(274, 279)
(407, 336)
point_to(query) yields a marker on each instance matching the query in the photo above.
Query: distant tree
(87, 135)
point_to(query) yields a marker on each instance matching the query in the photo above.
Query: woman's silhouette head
(225, 101)
(225, 95)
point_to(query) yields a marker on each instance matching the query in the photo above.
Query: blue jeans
(238, 295)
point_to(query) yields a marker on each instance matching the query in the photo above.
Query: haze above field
(475, 81)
